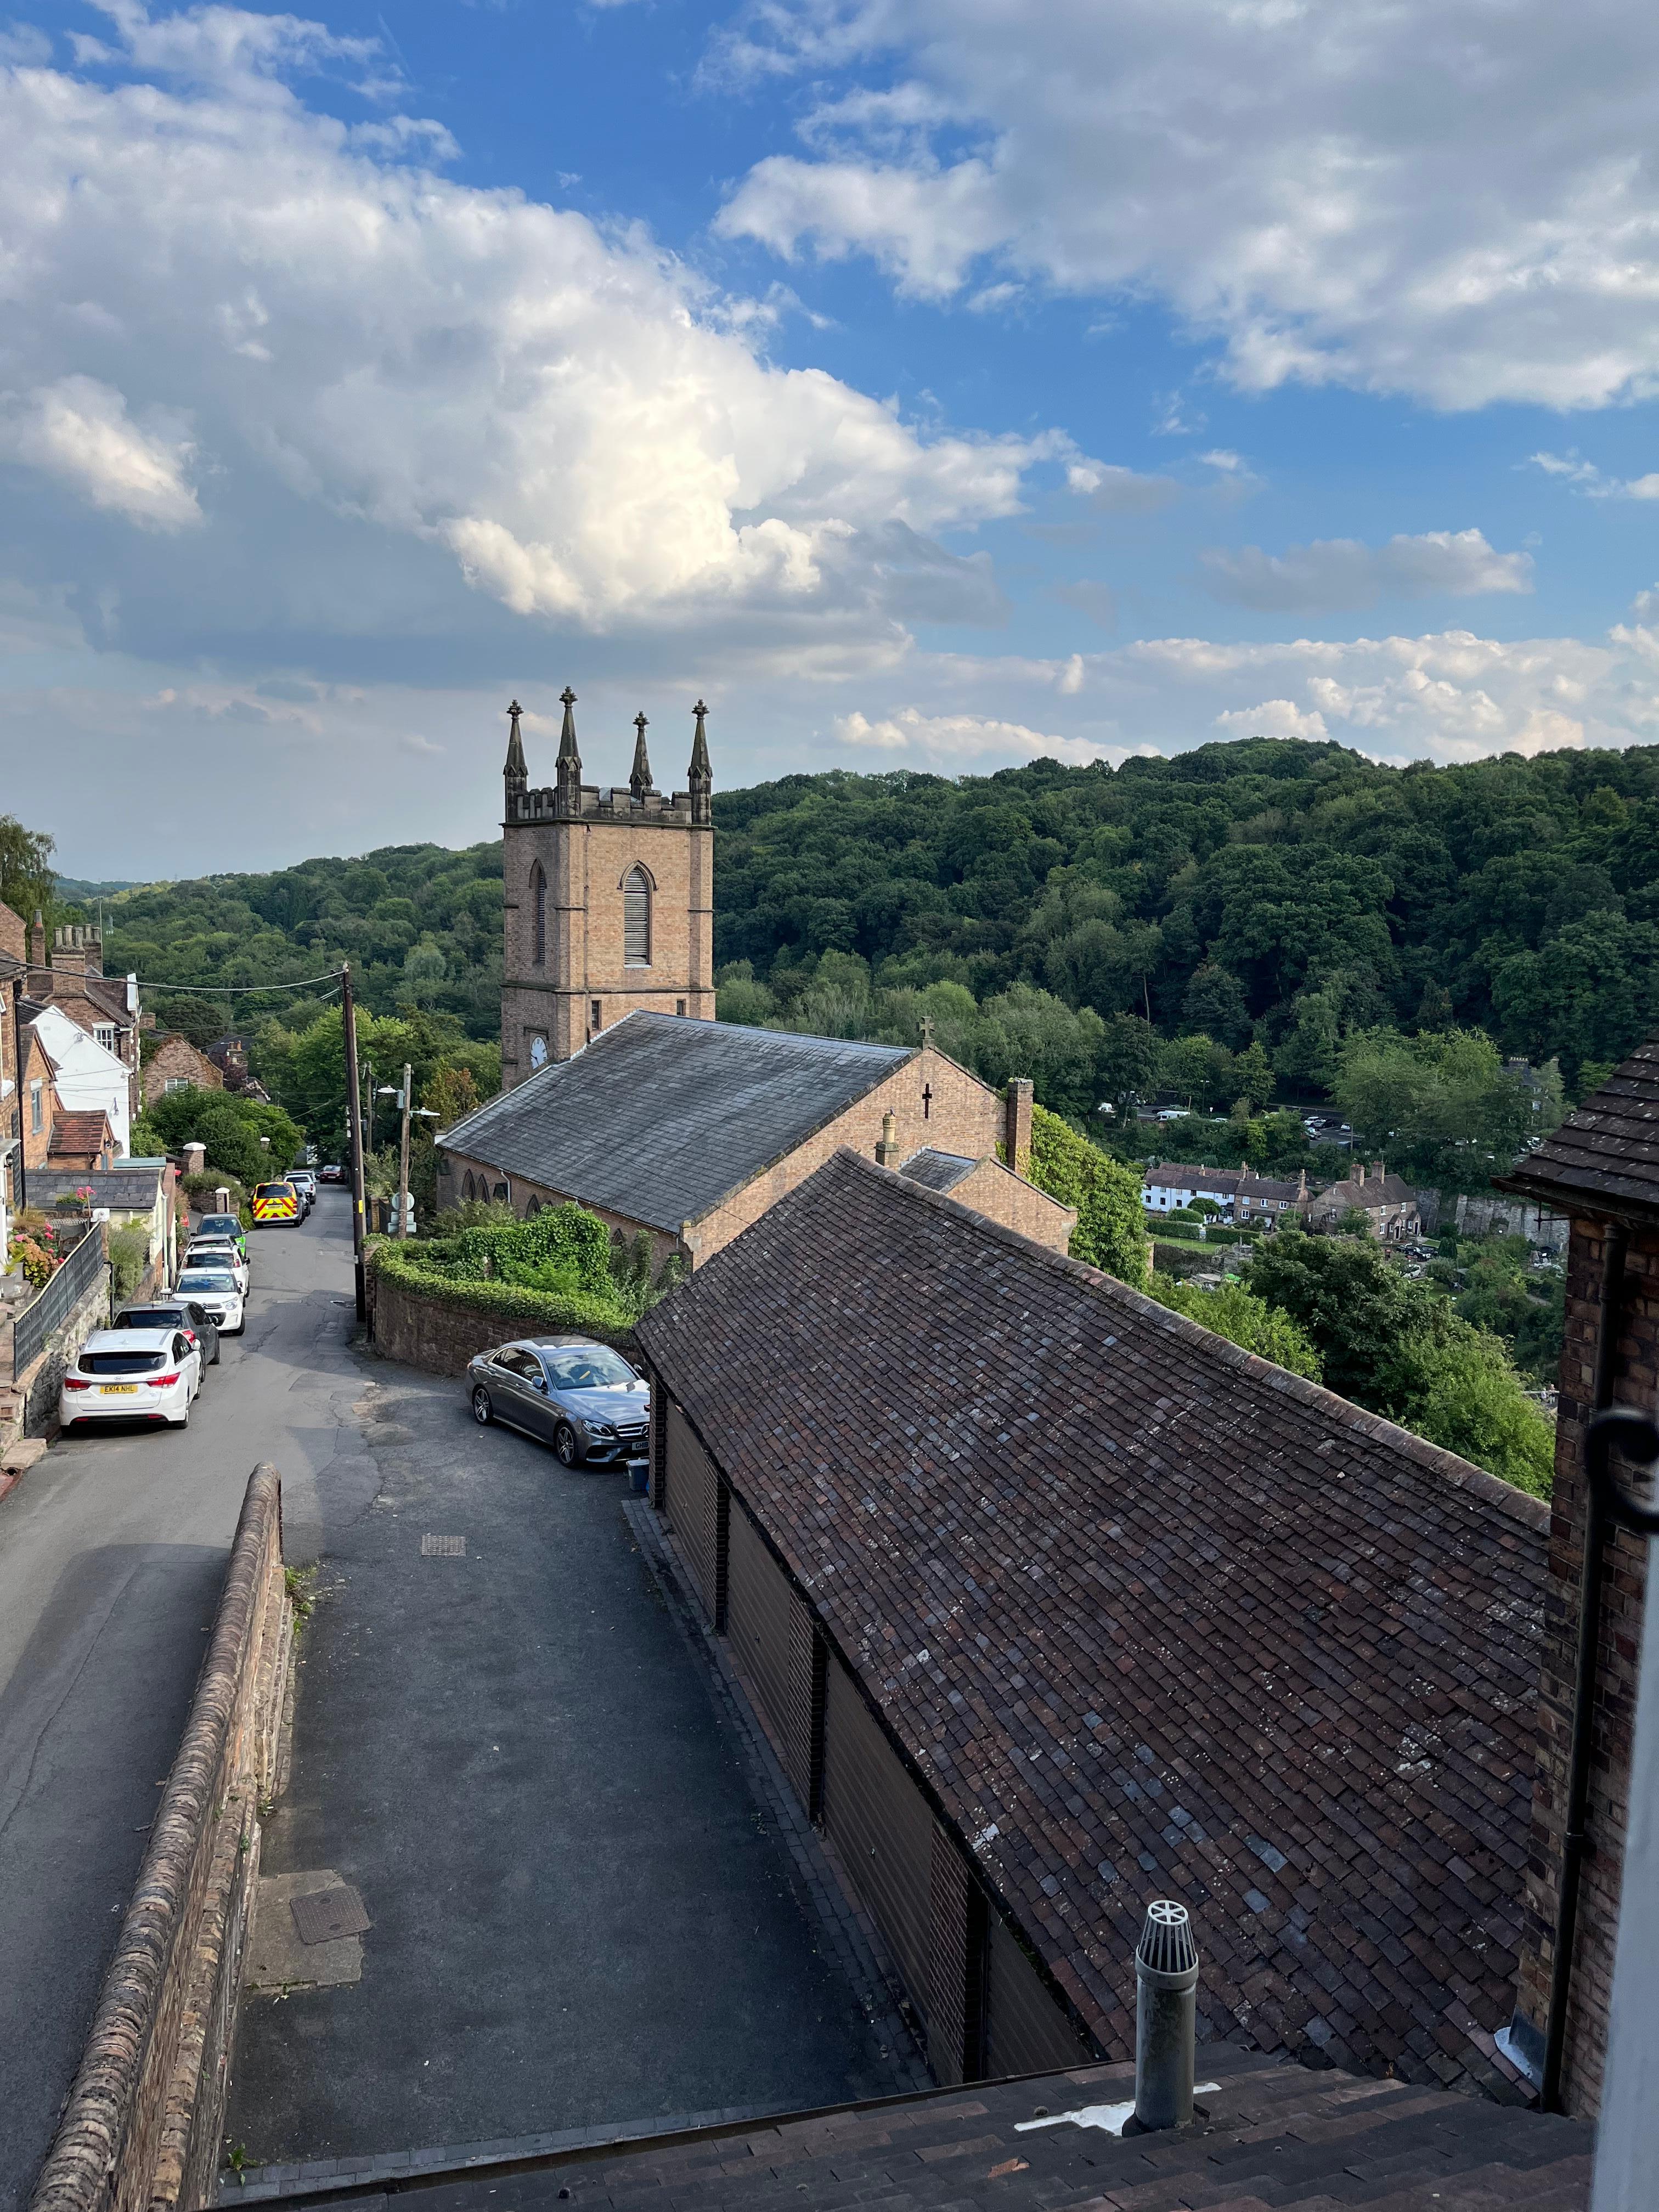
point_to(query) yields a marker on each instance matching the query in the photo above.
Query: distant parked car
(582, 1398)
(333, 1173)
(132, 1373)
(306, 1183)
(213, 1286)
(219, 1252)
(185, 1315)
(224, 1225)
(276, 1203)
(1175, 1113)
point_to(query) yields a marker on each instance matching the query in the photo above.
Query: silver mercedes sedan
(581, 1397)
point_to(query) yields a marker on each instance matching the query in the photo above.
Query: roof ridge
(1460, 1473)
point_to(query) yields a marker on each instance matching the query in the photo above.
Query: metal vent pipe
(1166, 2007)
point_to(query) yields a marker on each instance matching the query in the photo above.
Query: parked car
(185, 1315)
(132, 1373)
(582, 1398)
(276, 1203)
(306, 1183)
(224, 1225)
(333, 1173)
(220, 1252)
(212, 1285)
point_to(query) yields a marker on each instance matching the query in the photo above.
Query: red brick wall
(1635, 1383)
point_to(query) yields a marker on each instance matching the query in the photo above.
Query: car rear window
(122, 1363)
(152, 1317)
(202, 1279)
(274, 1190)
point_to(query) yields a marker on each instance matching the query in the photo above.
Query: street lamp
(402, 1094)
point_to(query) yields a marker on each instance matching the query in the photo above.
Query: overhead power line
(226, 990)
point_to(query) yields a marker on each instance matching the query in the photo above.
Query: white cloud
(1119, 491)
(567, 417)
(1434, 196)
(77, 430)
(1274, 718)
(954, 742)
(1574, 469)
(1339, 572)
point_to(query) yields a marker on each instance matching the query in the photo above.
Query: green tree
(1111, 1224)
(1025, 1031)
(1243, 1319)
(738, 998)
(27, 880)
(1197, 1070)
(201, 1021)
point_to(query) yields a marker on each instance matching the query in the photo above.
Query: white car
(131, 1374)
(214, 1287)
(220, 1252)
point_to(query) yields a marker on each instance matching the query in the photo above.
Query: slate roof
(1172, 1175)
(937, 1171)
(1153, 1616)
(1604, 1158)
(660, 1119)
(1269, 2135)
(1361, 1192)
(129, 1187)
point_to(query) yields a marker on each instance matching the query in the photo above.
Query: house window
(37, 1108)
(177, 1083)
(105, 1033)
(636, 919)
(680, 1006)
(595, 1017)
(538, 916)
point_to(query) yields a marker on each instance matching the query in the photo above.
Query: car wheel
(483, 1412)
(214, 1362)
(565, 1444)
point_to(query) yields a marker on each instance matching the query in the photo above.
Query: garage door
(881, 1824)
(694, 1511)
(758, 1605)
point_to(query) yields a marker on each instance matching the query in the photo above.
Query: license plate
(118, 1390)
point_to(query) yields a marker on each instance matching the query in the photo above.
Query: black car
(174, 1313)
(582, 1398)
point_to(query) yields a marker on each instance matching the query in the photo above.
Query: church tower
(608, 899)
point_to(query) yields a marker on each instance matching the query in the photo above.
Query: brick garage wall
(961, 1115)
(141, 2128)
(427, 1330)
(1624, 1593)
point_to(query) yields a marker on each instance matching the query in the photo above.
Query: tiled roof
(1151, 1615)
(79, 1132)
(1374, 1190)
(660, 1119)
(129, 1187)
(1604, 1158)
(1174, 1176)
(1259, 1187)
(937, 1171)
(1263, 2135)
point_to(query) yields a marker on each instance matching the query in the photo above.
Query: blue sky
(927, 383)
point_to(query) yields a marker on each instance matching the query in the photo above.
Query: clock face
(539, 1051)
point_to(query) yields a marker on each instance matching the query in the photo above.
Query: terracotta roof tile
(1160, 1613)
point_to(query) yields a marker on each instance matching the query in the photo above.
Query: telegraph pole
(403, 1155)
(355, 1124)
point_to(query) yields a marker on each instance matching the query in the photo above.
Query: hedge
(597, 1316)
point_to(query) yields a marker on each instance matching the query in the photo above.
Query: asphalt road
(113, 1553)
(581, 1915)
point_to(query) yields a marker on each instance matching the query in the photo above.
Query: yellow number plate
(116, 1389)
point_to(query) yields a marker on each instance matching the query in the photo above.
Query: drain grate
(443, 1547)
(327, 1914)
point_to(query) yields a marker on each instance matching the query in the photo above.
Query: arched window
(538, 916)
(469, 1190)
(636, 919)
(532, 1207)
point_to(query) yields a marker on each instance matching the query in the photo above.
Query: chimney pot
(887, 1150)
(1017, 1125)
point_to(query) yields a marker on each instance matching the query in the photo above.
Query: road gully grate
(327, 1914)
(443, 1547)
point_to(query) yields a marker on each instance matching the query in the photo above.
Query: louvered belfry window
(637, 920)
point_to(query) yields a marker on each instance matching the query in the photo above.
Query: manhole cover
(328, 1914)
(443, 1547)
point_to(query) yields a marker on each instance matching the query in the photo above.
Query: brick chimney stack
(68, 951)
(1017, 1124)
(887, 1149)
(38, 941)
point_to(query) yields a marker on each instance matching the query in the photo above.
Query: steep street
(113, 1551)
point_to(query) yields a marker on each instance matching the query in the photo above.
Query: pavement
(580, 1913)
(113, 1552)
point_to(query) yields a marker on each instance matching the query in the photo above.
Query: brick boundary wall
(141, 2130)
(425, 1329)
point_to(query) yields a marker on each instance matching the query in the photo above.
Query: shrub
(562, 1270)
(129, 1256)
(1111, 1222)
(1243, 1319)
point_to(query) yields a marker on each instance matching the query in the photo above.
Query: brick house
(174, 1064)
(84, 1138)
(1052, 1602)
(1601, 1168)
(1387, 1201)
(105, 1007)
(993, 1190)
